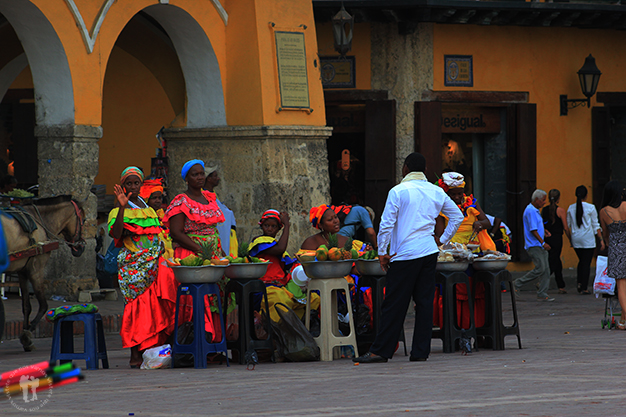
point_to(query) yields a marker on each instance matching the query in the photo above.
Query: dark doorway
(361, 150)
(18, 145)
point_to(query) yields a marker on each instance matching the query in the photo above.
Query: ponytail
(553, 196)
(581, 192)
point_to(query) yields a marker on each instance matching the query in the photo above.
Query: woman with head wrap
(228, 229)
(149, 305)
(281, 288)
(152, 192)
(192, 219)
(475, 223)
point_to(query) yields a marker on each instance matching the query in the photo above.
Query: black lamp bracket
(572, 103)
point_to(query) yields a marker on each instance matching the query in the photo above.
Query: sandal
(621, 325)
(562, 291)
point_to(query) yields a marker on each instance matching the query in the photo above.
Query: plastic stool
(95, 345)
(377, 284)
(450, 332)
(244, 289)
(329, 327)
(199, 348)
(494, 327)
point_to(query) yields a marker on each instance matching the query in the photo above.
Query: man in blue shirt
(359, 217)
(536, 247)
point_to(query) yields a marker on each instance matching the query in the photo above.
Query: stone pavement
(569, 366)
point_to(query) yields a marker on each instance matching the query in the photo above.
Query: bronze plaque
(292, 74)
(470, 120)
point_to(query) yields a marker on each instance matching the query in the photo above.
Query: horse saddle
(24, 218)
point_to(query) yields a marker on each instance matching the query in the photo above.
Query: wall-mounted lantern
(589, 76)
(343, 24)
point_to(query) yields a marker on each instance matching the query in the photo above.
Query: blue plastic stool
(199, 348)
(95, 345)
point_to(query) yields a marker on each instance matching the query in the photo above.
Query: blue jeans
(541, 271)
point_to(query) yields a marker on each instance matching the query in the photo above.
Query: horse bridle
(77, 240)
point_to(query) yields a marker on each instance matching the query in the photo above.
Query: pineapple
(243, 252)
(208, 251)
(346, 252)
(333, 241)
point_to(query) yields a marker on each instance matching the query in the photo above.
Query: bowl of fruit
(368, 264)
(245, 266)
(202, 268)
(328, 261)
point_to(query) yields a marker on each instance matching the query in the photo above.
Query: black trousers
(584, 267)
(554, 259)
(405, 280)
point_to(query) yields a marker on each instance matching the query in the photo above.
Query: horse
(52, 216)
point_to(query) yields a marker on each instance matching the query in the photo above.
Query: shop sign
(470, 120)
(338, 72)
(345, 120)
(458, 71)
(292, 73)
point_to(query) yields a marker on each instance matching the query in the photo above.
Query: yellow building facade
(88, 84)
(523, 56)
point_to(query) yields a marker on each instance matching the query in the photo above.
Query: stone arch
(54, 94)
(203, 80)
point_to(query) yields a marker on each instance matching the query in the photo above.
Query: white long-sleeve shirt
(583, 237)
(408, 221)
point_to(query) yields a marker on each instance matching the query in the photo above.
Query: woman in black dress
(555, 221)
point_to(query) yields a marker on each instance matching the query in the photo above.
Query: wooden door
(601, 151)
(522, 170)
(428, 136)
(380, 153)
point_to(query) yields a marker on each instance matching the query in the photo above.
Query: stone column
(68, 164)
(261, 167)
(402, 62)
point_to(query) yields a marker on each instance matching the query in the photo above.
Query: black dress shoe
(369, 357)
(414, 359)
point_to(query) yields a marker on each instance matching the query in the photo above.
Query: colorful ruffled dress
(279, 285)
(149, 300)
(463, 235)
(201, 226)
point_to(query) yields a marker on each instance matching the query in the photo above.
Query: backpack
(342, 212)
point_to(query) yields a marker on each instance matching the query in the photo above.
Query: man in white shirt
(408, 252)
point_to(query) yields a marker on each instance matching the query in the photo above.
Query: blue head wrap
(188, 166)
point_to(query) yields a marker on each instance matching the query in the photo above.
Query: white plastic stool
(329, 323)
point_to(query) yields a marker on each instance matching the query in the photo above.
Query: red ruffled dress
(201, 226)
(150, 295)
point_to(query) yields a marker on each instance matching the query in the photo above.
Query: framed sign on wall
(338, 72)
(458, 71)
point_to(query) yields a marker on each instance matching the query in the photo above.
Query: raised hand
(122, 198)
(284, 217)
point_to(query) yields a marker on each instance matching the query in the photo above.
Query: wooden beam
(476, 96)
(343, 96)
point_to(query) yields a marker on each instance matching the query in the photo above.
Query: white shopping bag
(157, 357)
(603, 284)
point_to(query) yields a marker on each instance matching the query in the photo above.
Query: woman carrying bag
(582, 219)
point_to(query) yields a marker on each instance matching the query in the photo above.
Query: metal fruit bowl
(490, 264)
(327, 269)
(247, 271)
(206, 274)
(370, 267)
(452, 266)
